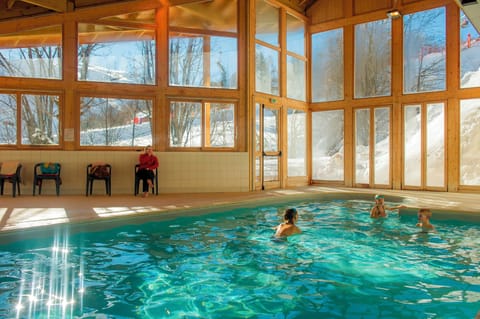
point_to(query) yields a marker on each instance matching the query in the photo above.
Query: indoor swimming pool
(228, 265)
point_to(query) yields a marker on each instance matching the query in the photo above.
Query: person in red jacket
(148, 163)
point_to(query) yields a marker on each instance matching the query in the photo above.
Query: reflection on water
(344, 265)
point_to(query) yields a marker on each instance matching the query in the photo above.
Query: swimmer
(288, 227)
(379, 209)
(424, 215)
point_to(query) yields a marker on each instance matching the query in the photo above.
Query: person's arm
(154, 162)
(396, 207)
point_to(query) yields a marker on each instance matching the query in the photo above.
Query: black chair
(99, 172)
(11, 175)
(137, 181)
(46, 171)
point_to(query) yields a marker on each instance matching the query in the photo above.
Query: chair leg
(1, 186)
(14, 187)
(40, 182)
(57, 187)
(86, 188)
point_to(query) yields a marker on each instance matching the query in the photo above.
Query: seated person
(379, 209)
(288, 227)
(148, 163)
(424, 215)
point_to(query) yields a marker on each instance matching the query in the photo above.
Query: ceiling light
(394, 14)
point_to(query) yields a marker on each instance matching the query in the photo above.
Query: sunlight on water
(50, 283)
(228, 265)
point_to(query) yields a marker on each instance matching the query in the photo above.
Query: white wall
(179, 172)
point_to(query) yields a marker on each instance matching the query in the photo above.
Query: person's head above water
(290, 214)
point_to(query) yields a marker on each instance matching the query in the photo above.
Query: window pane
(469, 141)
(8, 119)
(270, 168)
(382, 146)
(32, 54)
(295, 35)
(186, 15)
(115, 122)
(362, 146)
(412, 145)
(270, 129)
(469, 62)
(222, 125)
(185, 124)
(266, 73)
(116, 54)
(40, 120)
(328, 145)
(296, 87)
(203, 61)
(267, 23)
(424, 51)
(257, 126)
(373, 59)
(327, 66)
(297, 141)
(435, 174)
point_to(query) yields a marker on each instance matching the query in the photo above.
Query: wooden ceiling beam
(55, 5)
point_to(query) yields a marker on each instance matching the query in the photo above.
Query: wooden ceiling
(15, 9)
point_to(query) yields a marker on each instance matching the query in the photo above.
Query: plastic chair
(10, 172)
(137, 181)
(95, 172)
(46, 171)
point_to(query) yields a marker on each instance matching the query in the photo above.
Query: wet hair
(425, 211)
(290, 214)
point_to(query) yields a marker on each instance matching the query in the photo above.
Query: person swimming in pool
(379, 209)
(288, 227)
(424, 215)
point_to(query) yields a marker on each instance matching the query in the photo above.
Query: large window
(39, 118)
(202, 124)
(267, 49)
(296, 61)
(470, 142)
(373, 59)
(469, 61)
(207, 54)
(32, 54)
(8, 119)
(267, 75)
(328, 145)
(327, 66)
(297, 142)
(116, 54)
(115, 122)
(424, 53)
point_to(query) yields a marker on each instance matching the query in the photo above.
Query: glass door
(372, 147)
(267, 147)
(424, 146)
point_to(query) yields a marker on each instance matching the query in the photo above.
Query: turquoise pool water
(227, 265)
